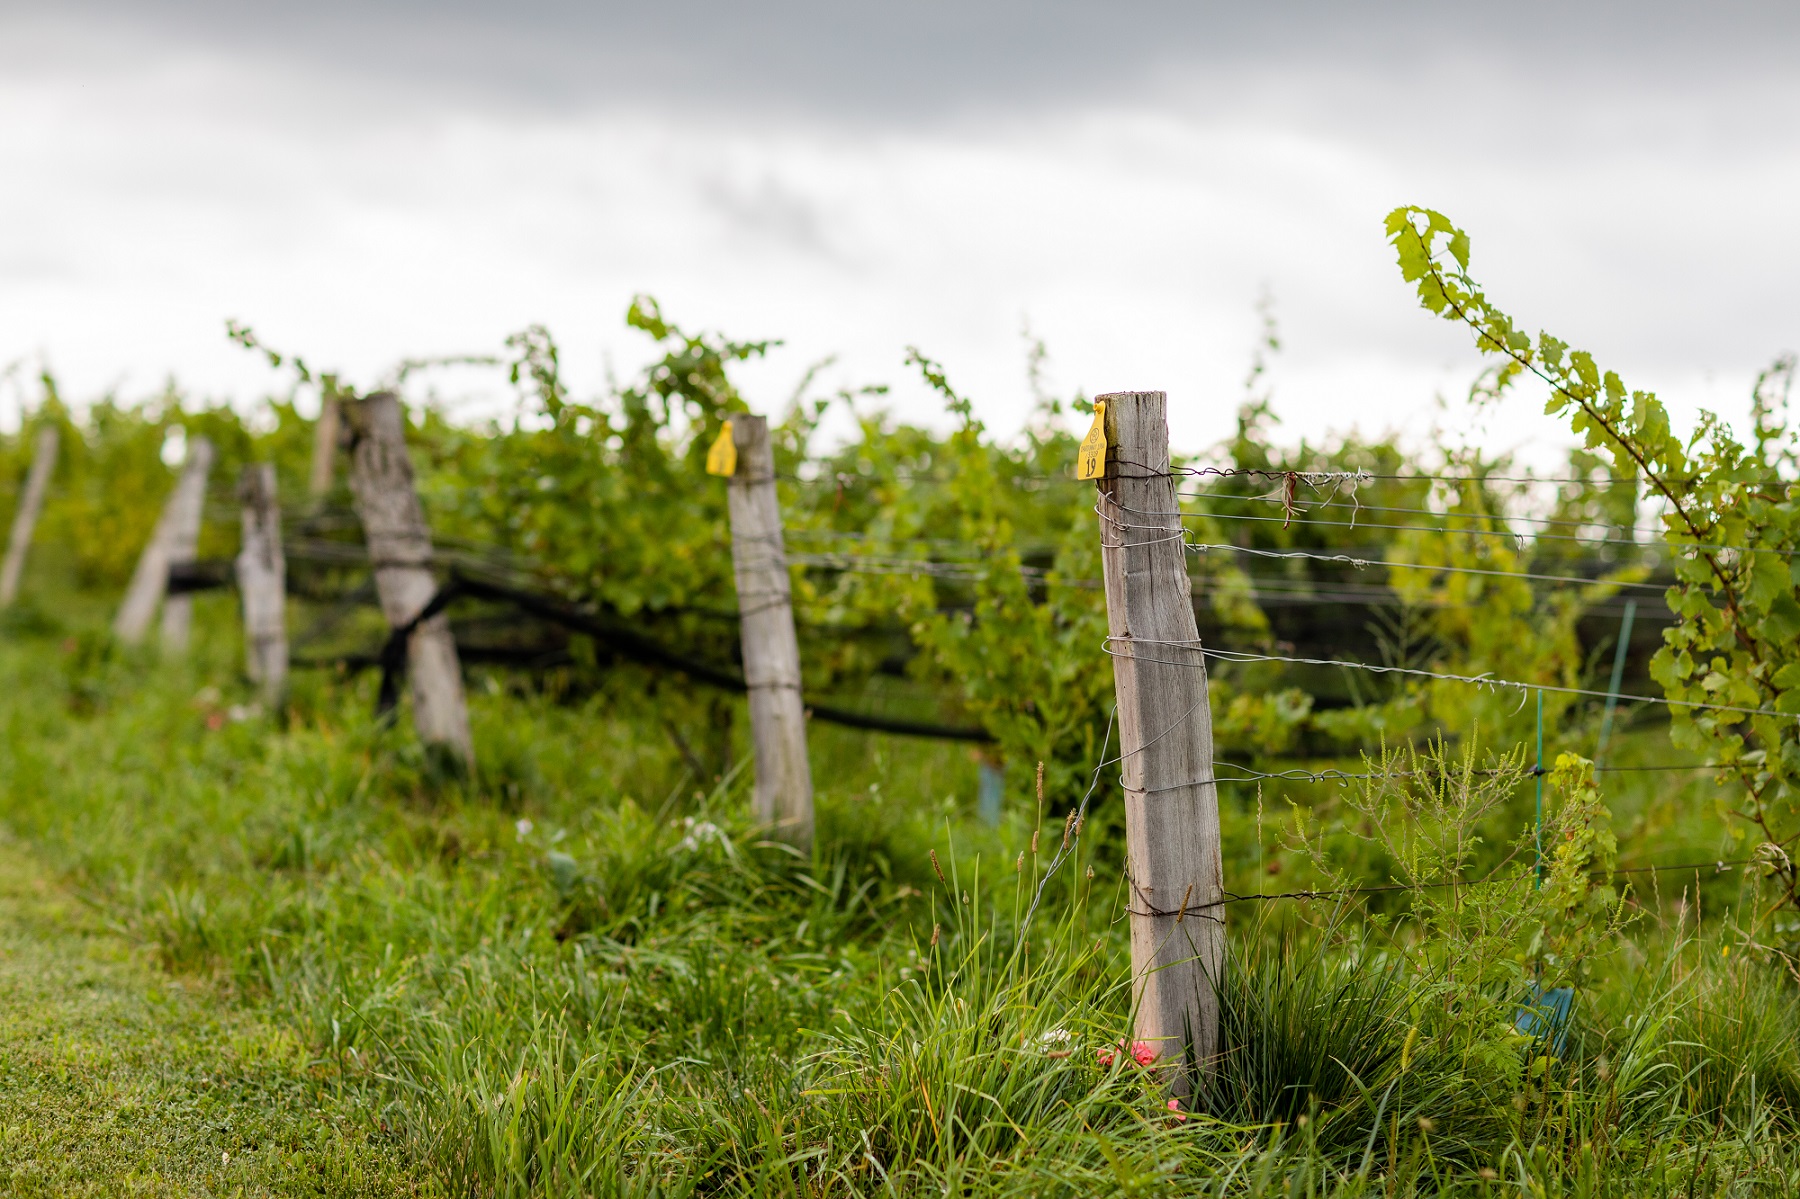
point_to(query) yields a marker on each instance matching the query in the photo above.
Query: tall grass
(583, 974)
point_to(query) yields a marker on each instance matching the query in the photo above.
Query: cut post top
(755, 452)
(1136, 424)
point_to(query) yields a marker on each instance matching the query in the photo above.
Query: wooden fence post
(177, 529)
(187, 506)
(784, 795)
(31, 502)
(381, 482)
(1165, 741)
(324, 451)
(262, 584)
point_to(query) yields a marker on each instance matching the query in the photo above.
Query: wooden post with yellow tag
(1174, 876)
(783, 798)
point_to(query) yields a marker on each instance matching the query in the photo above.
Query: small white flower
(1055, 1036)
(699, 833)
(523, 827)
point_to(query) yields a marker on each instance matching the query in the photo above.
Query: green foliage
(612, 989)
(580, 972)
(136, 1083)
(1732, 528)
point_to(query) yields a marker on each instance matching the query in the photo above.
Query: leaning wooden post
(31, 502)
(784, 796)
(1165, 742)
(150, 581)
(381, 483)
(262, 584)
(186, 508)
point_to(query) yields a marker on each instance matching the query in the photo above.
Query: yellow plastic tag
(722, 458)
(1090, 460)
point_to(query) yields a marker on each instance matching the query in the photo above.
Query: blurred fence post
(31, 502)
(784, 796)
(187, 507)
(175, 539)
(381, 482)
(262, 584)
(1175, 877)
(324, 451)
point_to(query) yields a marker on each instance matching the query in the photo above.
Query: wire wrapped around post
(1175, 878)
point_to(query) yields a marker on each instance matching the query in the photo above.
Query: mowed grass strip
(116, 1079)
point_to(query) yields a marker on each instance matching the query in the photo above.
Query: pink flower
(1142, 1052)
(1175, 1106)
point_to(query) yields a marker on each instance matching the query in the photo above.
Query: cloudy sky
(367, 181)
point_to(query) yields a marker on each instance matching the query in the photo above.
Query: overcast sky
(372, 181)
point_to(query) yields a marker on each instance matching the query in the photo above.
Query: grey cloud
(931, 59)
(768, 210)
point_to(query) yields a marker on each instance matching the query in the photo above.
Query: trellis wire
(1315, 477)
(1480, 680)
(1717, 867)
(1446, 513)
(1298, 774)
(1201, 547)
(1302, 519)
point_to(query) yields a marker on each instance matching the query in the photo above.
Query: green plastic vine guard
(1618, 677)
(1538, 828)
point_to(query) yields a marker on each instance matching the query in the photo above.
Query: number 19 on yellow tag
(1090, 460)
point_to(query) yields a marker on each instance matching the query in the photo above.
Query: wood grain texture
(31, 503)
(1165, 730)
(387, 504)
(262, 584)
(783, 795)
(150, 580)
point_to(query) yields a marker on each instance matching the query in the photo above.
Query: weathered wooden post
(784, 794)
(175, 539)
(262, 584)
(184, 540)
(381, 482)
(324, 451)
(1175, 877)
(31, 502)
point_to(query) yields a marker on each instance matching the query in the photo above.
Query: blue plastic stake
(1539, 835)
(990, 788)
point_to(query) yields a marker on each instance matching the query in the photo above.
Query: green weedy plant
(1311, 1027)
(1476, 927)
(1451, 616)
(1731, 517)
(1021, 655)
